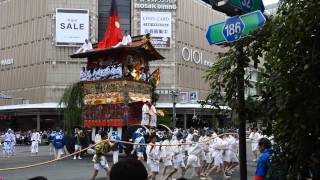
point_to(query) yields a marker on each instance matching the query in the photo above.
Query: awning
(30, 106)
(190, 106)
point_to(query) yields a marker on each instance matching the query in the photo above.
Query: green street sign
(235, 28)
(247, 5)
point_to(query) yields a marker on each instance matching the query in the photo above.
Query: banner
(72, 26)
(111, 86)
(158, 24)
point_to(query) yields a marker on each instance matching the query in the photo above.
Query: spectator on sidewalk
(58, 143)
(264, 160)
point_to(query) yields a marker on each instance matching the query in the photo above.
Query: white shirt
(97, 138)
(7, 137)
(254, 136)
(35, 137)
(126, 40)
(153, 155)
(86, 47)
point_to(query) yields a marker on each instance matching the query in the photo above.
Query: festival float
(116, 79)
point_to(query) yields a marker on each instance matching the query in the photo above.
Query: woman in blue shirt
(264, 160)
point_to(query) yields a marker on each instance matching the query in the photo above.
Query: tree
(72, 100)
(291, 87)
(290, 46)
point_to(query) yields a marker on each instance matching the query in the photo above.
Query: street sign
(247, 5)
(235, 27)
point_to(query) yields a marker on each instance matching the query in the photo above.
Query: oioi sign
(235, 27)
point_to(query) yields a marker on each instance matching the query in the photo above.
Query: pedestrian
(139, 149)
(97, 138)
(13, 143)
(153, 157)
(35, 140)
(58, 143)
(7, 144)
(216, 153)
(117, 146)
(179, 154)
(264, 160)
(51, 136)
(232, 157)
(77, 147)
(194, 152)
(153, 116)
(254, 137)
(166, 153)
(100, 157)
(145, 114)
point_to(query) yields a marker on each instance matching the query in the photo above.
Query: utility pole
(174, 94)
(241, 112)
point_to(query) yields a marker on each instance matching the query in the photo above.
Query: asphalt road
(70, 169)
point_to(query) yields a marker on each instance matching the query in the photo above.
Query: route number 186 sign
(235, 27)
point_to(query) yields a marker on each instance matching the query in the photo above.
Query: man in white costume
(179, 154)
(145, 114)
(216, 152)
(97, 138)
(126, 40)
(7, 144)
(254, 137)
(87, 46)
(153, 116)
(232, 152)
(35, 140)
(153, 160)
(13, 143)
(166, 153)
(194, 160)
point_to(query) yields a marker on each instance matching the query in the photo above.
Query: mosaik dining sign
(72, 26)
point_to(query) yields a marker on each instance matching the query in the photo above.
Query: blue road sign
(233, 28)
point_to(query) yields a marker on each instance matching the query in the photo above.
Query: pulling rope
(123, 142)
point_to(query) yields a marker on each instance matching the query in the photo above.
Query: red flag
(113, 33)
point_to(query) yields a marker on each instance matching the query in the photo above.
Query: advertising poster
(72, 26)
(183, 97)
(158, 24)
(193, 96)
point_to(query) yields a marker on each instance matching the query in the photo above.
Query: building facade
(35, 69)
(39, 70)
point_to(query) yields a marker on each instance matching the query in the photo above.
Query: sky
(267, 2)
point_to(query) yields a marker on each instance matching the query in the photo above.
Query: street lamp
(174, 94)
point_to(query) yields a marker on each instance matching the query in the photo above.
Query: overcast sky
(267, 2)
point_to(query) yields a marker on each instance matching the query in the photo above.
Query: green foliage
(289, 43)
(166, 120)
(72, 100)
(291, 85)
(154, 95)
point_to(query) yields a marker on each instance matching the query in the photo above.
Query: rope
(124, 142)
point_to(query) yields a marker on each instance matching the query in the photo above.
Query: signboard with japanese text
(159, 25)
(72, 26)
